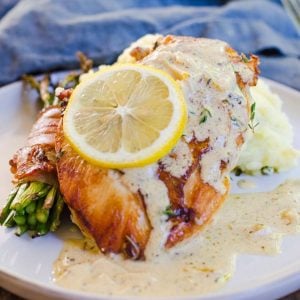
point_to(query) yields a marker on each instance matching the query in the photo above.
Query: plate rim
(290, 280)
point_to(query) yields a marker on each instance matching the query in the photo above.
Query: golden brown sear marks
(193, 202)
(106, 209)
(252, 63)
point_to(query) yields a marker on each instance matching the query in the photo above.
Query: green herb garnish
(169, 211)
(237, 171)
(204, 115)
(252, 124)
(245, 59)
(266, 170)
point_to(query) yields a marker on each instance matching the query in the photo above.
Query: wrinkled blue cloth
(44, 35)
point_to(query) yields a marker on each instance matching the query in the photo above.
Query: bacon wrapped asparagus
(35, 204)
(30, 204)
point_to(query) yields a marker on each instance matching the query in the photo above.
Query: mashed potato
(270, 146)
(271, 143)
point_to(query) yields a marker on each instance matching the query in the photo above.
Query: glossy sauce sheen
(209, 83)
(203, 264)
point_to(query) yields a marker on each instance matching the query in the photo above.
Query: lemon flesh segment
(125, 116)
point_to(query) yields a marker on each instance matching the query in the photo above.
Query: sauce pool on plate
(248, 223)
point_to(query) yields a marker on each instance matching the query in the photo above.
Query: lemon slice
(125, 116)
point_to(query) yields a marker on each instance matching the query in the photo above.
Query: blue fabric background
(38, 36)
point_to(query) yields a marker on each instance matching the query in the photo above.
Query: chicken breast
(135, 211)
(102, 204)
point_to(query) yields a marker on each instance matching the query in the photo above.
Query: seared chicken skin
(113, 207)
(102, 205)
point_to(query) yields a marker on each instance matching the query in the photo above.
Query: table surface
(5, 295)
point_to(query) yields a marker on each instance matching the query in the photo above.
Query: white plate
(26, 265)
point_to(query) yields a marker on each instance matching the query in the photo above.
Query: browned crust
(192, 201)
(34, 163)
(139, 53)
(252, 63)
(37, 160)
(114, 216)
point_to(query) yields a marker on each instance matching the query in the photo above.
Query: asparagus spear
(21, 229)
(35, 191)
(6, 210)
(56, 213)
(8, 213)
(32, 221)
(29, 206)
(42, 214)
(10, 222)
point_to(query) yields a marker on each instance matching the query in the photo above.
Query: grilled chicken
(102, 204)
(36, 161)
(118, 208)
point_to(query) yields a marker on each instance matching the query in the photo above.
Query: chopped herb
(204, 115)
(252, 127)
(208, 81)
(156, 44)
(237, 171)
(191, 112)
(245, 59)
(266, 170)
(251, 124)
(252, 116)
(169, 211)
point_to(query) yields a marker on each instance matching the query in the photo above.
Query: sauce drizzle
(247, 223)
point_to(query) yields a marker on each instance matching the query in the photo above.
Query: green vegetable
(42, 228)
(20, 220)
(21, 229)
(30, 209)
(56, 213)
(6, 210)
(34, 191)
(31, 205)
(31, 220)
(10, 222)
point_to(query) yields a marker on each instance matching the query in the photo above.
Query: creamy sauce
(209, 84)
(203, 264)
(210, 87)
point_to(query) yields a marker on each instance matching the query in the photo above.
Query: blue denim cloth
(38, 36)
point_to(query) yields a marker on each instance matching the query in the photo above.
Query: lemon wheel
(125, 116)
